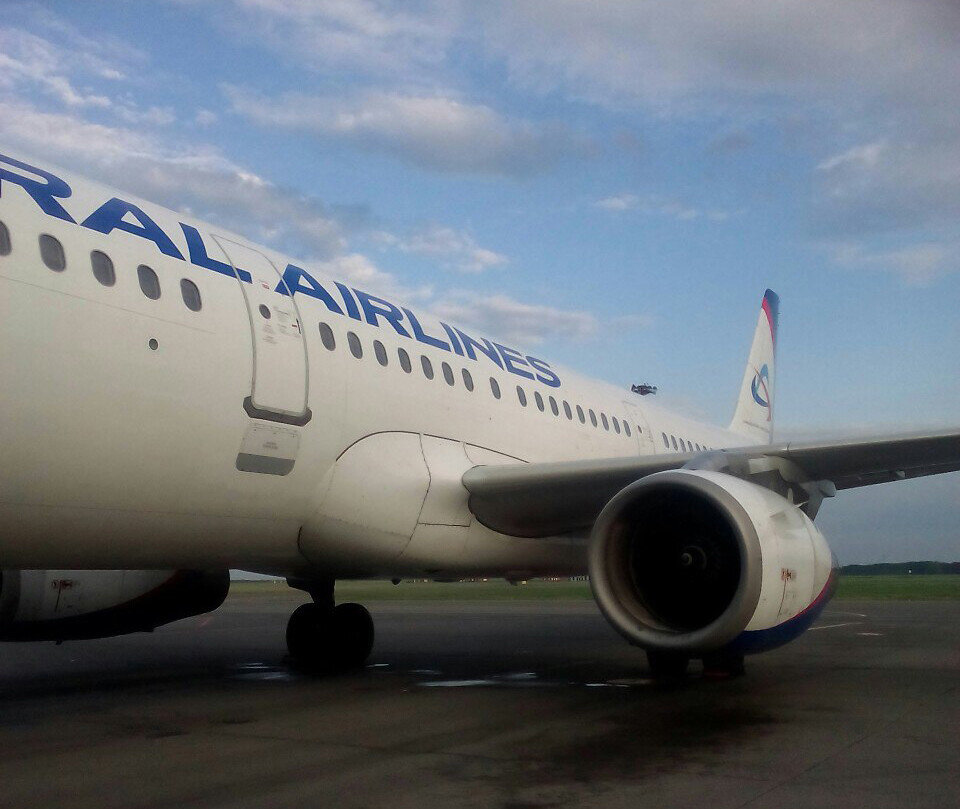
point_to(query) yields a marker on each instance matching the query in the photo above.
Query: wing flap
(551, 499)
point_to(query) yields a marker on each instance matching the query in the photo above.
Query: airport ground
(520, 704)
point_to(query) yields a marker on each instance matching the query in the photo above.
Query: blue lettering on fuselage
(296, 279)
(46, 194)
(115, 213)
(200, 257)
(112, 216)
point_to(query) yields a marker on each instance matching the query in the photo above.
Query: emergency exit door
(644, 438)
(279, 385)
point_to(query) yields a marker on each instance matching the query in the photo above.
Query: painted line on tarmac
(834, 626)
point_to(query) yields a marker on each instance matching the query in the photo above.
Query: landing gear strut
(671, 667)
(667, 666)
(327, 638)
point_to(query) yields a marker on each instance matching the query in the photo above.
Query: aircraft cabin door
(279, 387)
(641, 427)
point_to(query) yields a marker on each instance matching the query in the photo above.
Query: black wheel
(668, 666)
(307, 634)
(324, 640)
(352, 635)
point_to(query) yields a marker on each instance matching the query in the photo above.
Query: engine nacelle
(75, 604)
(695, 562)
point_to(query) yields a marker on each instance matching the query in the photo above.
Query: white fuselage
(126, 442)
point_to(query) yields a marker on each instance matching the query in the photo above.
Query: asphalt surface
(518, 705)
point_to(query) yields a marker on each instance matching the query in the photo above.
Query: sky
(611, 183)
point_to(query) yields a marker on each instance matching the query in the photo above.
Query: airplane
(178, 402)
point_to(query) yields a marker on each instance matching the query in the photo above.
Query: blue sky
(611, 183)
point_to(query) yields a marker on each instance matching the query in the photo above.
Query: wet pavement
(513, 705)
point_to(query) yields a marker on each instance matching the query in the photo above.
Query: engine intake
(77, 604)
(686, 560)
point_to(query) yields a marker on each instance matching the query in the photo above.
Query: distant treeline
(902, 568)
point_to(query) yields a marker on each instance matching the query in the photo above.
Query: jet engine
(75, 604)
(693, 562)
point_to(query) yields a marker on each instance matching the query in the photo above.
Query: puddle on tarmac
(530, 679)
(265, 672)
(262, 672)
(514, 679)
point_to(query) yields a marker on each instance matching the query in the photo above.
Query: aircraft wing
(549, 499)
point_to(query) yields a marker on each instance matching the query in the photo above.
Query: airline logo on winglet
(760, 388)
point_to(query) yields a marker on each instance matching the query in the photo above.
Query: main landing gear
(324, 637)
(671, 667)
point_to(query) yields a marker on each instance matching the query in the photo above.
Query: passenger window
(553, 407)
(522, 396)
(51, 251)
(606, 424)
(103, 268)
(580, 415)
(427, 366)
(327, 338)
(4, 240)
(354, 342)
(682, 445)
(639, 430)
(467, 380)
(494, 388)
(567, 411)
(593, 418)
(447, 374)
(616, 425)
(673, 440)
(149, 283)
(190, 295)
(665, 442)
(404, 360)
(538, 399)
(380, 352)
(626, 428)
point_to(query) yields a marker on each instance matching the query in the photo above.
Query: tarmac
(528, 705)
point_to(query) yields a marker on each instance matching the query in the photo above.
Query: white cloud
(864, 156)
(619, 202)
(367, 38)
(26, 59)
(917, 264)
(195, 178)
(152, 116)
(360, 270)
(454, 249)
(653, 204)
(886, 185)
(722, 52)
(205, 118)
(434, 131)
(508, 319)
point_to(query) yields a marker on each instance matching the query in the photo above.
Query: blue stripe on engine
(762, 640)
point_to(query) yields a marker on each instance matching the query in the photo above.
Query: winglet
(754, 414)
(771, 307)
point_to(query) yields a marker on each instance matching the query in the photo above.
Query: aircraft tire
(307, 635)
(353, 635)
(322, 640)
